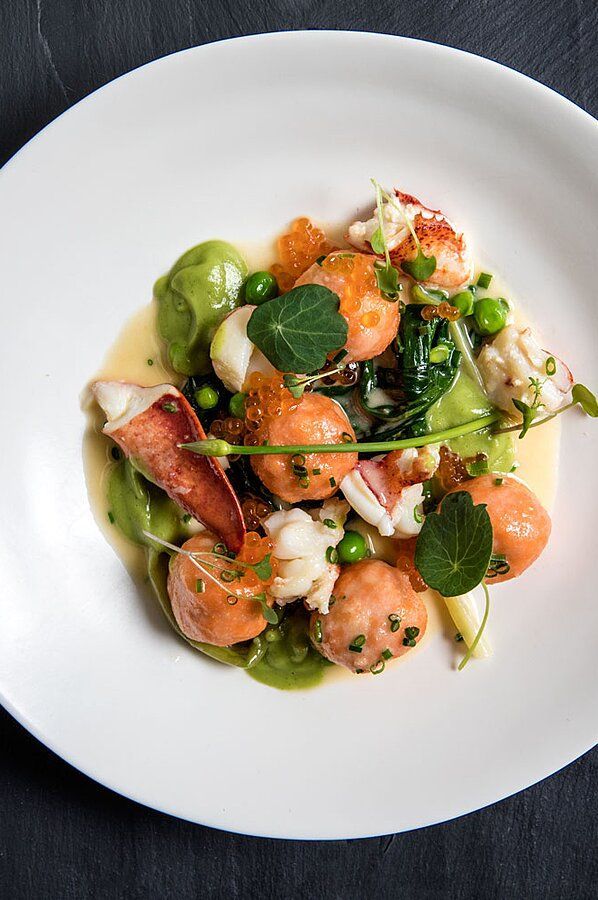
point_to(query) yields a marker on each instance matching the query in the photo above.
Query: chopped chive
(359, 671)
(484, 280)
(186, 518)
(320, 260)
(298, 459)
(339, 356)
(111, 517)
(200, 586)
(150, 362)
(228, 576)
(411, 632)
(378, 667)
(550, 366)
(458, 637)
(170, 407)
(115, 453)
(318, 631)
(347, 438)
(316, 471)
(332, 481)
(231, 599)
(304, 482)
(368, 553)
(395, 622)
(386, 654)
(357, 643)
(408, 642)
(417, 515)
(498, 481)
(332, 556)
(514, 467)
(329, 523)
(221, 548)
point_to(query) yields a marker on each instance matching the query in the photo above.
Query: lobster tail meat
(149, 424)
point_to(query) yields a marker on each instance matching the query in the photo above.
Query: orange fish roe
(360, 279)
(297, 251)
(406, 563)
(267, 398)
(254, 510)
(231, 429)
(241, 581)
(444, 310)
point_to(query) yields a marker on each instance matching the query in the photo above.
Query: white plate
(233, 140)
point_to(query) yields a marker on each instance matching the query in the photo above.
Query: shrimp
(315, 420)
(373, 321)
(514, 367)
(148, 424)
(207, 615)
(520, 524)
(387, 491)
(376, 616)
(437, 236)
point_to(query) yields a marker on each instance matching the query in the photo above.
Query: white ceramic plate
(233, 140)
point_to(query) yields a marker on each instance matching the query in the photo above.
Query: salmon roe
(297, 251)
(240, 581)
(444, 310)
(267, 398)
(254, 510)
(360, 279)
(451, 470)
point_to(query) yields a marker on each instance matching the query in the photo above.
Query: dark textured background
(63, 836)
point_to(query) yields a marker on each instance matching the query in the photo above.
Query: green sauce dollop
(290, 662)
(138, 506)
(463, 402)
(202, 287)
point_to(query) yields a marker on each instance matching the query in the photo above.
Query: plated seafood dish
(319, 452)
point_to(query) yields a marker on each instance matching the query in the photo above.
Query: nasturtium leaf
(586, 399)
(421, 267)
(528, 414)
(454, 547)
(377, 241)
(298, 330)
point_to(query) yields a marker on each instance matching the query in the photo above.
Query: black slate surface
(62, 835)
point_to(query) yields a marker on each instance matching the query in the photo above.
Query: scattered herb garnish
(170, 407)
(268, 613)
(484, 280)
(395, 622)
(150, 362)
(357, 643)
(411, 632)
(111, 518)
(498, 481)
(387, 277)
(200, 586)
(298, 330)
(297, 385)
(386, 654)
(331, 555)
(318, 631)
(498, 565)
(115, 453)
(329, 523)
(454, 547)
(550, 366)
(458, 637)
(378, 667)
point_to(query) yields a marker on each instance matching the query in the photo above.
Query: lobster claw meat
(149, 424)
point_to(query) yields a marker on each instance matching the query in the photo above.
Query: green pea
(351, 548)
(464, 302)
(206, 397)
(236, 405)
(490, 315)
(260, 286)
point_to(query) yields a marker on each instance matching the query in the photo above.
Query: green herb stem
(476, 639)
(217, 447)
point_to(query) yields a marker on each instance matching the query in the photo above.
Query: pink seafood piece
(389, 475)
(438, 237)
(376, 617)
(149, 424)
